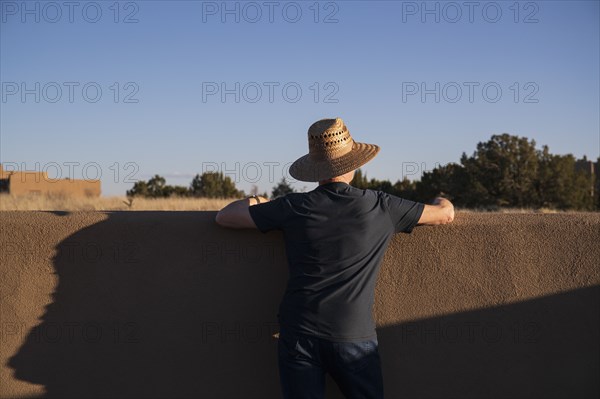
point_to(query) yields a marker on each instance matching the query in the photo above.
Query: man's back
(335, 237)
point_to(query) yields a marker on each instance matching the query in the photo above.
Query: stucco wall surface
(168, 304)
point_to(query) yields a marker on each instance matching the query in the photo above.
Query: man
(335, 238)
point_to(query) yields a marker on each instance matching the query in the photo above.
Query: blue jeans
(304, 360)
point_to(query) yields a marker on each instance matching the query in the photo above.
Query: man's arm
(440, 212)
(236, 215)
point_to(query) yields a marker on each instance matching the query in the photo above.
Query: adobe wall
(28, 182)
(23, 183)
(168, 304)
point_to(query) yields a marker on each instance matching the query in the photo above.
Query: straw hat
(331, 152)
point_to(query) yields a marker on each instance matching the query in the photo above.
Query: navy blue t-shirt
(335, 238)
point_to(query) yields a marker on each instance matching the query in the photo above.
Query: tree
(140, 189)
(504, 169)
(563, 186)
(176, 191)
(360, 180)
(450, 181)
(282, 188)
(405, 189)
(214, 185)
(156, 186)
(402, 188)
(509, 171)
(210, 184)
(501, 172)
(152, 188)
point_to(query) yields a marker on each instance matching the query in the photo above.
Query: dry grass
(66, 203)
(57, 202)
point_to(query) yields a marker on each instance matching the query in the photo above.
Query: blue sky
(141, 96)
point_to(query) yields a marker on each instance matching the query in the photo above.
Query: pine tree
(282, 188)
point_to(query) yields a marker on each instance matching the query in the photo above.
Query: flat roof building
(33, 182)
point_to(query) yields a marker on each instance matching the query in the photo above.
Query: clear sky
(133, 89)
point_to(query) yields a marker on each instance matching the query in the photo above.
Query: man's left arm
(236, 214)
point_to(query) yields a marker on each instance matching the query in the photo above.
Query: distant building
(33, 182)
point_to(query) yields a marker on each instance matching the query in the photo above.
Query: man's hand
(442, 202)
(441, 211)
(262, 199)
(236, 215)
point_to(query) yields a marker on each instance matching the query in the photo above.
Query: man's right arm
(441, 211)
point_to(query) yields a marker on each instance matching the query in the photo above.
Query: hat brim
(308, 169)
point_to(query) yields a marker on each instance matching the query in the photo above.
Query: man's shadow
(159, 304)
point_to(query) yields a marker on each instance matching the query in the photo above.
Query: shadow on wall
(158, 317)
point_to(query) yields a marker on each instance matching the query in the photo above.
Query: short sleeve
(270, 215)
(405, 214)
